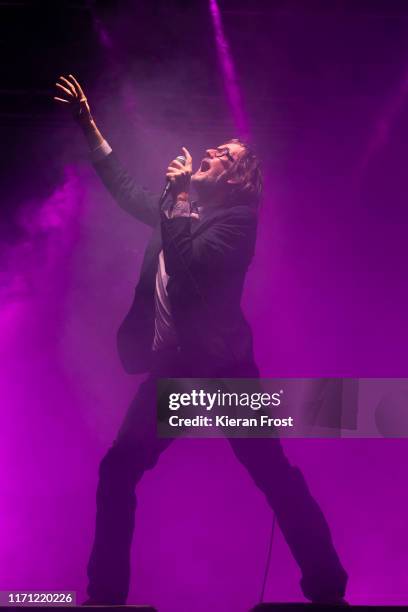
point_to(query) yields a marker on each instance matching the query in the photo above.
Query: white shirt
(165, 335)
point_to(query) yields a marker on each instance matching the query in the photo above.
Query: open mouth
(205, 165)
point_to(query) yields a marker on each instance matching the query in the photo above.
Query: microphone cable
(268, 558)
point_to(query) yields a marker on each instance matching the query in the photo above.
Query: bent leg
(299, 516)
(135, 450)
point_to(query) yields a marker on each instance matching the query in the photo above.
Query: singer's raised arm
(127, 192)
(130, 196)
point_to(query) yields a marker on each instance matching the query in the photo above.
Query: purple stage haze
(326, 295)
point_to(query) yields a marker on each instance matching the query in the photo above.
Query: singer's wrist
(180, 208)
(181, 197)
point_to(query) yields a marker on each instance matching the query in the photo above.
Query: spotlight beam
(232, 89)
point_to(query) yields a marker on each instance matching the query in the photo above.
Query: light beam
(229, 73)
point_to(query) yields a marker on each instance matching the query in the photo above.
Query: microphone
(166, 190)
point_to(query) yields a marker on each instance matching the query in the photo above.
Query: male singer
(186, 321)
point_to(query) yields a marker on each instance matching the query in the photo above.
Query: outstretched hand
(70, 93)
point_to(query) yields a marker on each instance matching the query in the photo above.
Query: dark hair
(246, 170)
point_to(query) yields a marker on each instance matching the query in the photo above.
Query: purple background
(325, 96)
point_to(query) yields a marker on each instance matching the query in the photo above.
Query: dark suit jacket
(206, 262)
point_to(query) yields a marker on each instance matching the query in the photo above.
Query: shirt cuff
(175, 214)
(181, 208)
(101, 151)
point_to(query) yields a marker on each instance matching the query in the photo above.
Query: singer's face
(214, 164)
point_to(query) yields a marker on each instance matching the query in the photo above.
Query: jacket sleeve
(226, 244)
(130, 196)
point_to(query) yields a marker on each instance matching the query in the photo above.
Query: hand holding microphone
(178, 177)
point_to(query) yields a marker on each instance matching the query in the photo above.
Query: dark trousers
(137, 449)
